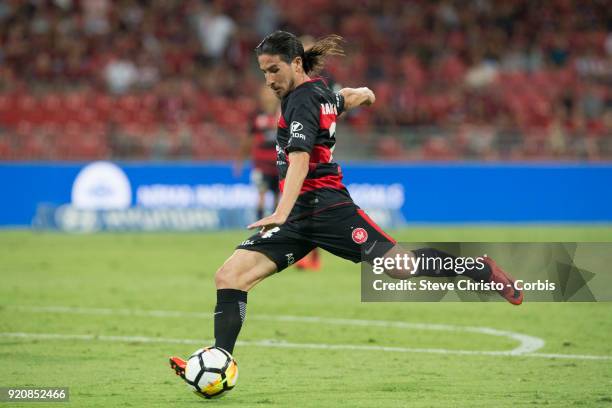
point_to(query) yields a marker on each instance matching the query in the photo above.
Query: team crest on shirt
(359, 235)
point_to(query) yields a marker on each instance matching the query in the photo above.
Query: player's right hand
(268, 223)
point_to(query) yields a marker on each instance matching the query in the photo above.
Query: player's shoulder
(313, 91)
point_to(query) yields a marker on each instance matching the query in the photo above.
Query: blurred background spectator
(163, 79)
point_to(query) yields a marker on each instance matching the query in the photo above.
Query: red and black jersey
(308, 123)
(263, 151)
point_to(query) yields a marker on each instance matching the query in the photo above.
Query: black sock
(260, 213)
(433, 268)
(229, 316)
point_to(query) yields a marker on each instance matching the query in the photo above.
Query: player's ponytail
(314, 58)
(289, 47)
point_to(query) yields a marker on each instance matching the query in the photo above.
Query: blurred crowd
(172, 79)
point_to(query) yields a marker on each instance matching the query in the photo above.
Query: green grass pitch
(106, 288)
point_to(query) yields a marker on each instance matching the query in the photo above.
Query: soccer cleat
(178, 365)
(509, 292)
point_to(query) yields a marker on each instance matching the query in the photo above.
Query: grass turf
(174, 272)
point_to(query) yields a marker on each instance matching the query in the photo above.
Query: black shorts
(345, 231)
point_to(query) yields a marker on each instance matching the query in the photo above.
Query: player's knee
(406, 265)
(234, 275)
(227, 277)
(400, 273)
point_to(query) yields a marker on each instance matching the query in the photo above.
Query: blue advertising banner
(393, 193)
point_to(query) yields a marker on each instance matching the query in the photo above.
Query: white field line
(526, 344)
(282, 344)
(526, 347)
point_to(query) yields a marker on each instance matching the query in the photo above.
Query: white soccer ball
(211, 372)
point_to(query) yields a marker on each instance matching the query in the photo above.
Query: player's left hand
(269, 222)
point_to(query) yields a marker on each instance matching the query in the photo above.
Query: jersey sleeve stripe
(281, 122)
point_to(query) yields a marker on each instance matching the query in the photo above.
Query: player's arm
(296, 173)
(303, 119)
(355, 97)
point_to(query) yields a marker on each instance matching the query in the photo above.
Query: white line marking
(282, 344)
(527, 344)
(526, 347)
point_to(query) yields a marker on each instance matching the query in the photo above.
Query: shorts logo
(247, 242)
(359, 235)
(296, 126)
(268, 234)
(290, 259)
(368, 250)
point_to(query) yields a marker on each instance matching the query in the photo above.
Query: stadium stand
(455, 80)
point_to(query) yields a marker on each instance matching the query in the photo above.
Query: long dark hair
(287, 46)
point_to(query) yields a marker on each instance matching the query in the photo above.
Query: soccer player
(315, 209)
(261, 144)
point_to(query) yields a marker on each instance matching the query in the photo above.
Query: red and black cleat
(178, 365)
(509, 292)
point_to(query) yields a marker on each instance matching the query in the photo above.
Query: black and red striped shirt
(308, 123)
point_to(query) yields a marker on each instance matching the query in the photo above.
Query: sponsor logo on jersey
(359, 235)
(296, 126)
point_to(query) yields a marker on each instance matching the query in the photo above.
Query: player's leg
(254, 259)
(243, 270)
(238, 274)
(430, 262)
(350, 233)
(345, 231)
